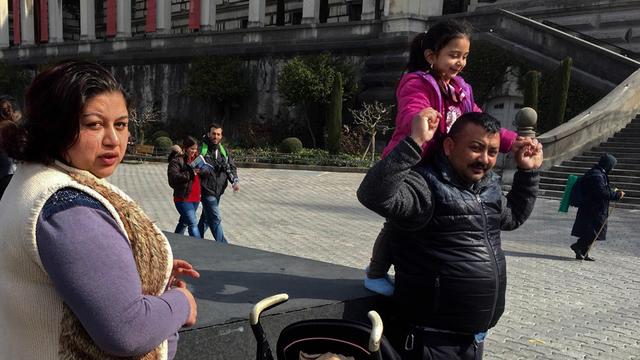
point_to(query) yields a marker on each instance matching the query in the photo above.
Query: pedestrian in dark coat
(591, 221)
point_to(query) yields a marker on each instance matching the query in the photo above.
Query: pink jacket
(419, 90)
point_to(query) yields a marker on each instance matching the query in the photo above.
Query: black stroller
(322, 338)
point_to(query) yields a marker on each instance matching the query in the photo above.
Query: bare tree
(142, 119)
(373, 118)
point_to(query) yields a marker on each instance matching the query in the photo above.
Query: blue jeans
(188, 218)
(211, 218)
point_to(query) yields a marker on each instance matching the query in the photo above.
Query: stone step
(588, 164)
(624, 140)
(615, 172)
(384, 79)
(383, 94)
(629, 193)
(619, 180)
(563, 181)
(617, 149)
(619, 155)
(594, 160)
(386, 62)
(625, 203)
(629, 132)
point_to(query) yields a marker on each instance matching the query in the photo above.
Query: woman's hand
(193, 307)
(184, 268)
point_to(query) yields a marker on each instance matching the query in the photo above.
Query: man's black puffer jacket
(454, 275)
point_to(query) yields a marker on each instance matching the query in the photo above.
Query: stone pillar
(256, 13)
(526, 120)
(4, 24)
(369, 9)
(163, 17)
(55, 21)
(123, 19)
(310, 11)
(401, 16)
(473, 5)
(194, 15)
(208, 15)
(150, 19)
(27, 29)
(87, 20)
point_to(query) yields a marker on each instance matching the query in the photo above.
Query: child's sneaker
(383, 286)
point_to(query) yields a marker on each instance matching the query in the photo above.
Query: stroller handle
(265, 304)
(376, 331)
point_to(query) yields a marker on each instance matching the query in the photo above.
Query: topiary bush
(290, 145)
(162, 144)
(160, 133)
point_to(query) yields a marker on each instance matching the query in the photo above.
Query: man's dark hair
(435, 39)
(484, 120)
(53, 106)
(214, 126)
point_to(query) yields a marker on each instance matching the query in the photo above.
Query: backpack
(576, 198)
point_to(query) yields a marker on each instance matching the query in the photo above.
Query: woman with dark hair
(84, 273)
(185, 181)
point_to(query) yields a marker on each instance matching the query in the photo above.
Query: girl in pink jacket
(431, 88)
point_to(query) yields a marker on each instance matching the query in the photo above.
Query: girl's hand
(424, 125)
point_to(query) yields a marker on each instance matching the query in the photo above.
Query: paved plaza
(557, 307)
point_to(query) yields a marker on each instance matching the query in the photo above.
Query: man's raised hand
(424, 125)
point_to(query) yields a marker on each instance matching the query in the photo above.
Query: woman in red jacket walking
(185, 182)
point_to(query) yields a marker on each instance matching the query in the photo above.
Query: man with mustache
(450, 269)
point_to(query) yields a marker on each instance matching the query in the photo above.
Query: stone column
(27, 25)
(369, 9)
(123, 19)
(4, 24)
(401, 16)
(55, 21)
(208, 15)
(473, 5)
(256, 13)
(87, 20)
(310, 11)
(163, 17)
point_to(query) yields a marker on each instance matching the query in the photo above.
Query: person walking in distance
(213, 180)
(591, 220)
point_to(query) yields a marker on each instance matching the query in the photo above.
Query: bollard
(526, 119)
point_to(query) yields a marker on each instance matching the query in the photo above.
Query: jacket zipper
(493, 260)
(436, 301)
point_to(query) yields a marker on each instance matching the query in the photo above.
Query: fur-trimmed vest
(36, 323)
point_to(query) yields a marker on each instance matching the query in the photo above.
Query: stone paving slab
(557, 307)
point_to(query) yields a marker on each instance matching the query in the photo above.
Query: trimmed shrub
(160, 133)
(531, 84)
(162, 144)
(290, 145)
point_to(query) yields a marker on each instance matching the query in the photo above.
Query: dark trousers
(430, 345)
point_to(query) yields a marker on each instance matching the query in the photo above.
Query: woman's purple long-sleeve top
(91, 265)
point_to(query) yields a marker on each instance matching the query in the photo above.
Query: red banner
(16, 22)
(111, 18)
(150, 25)
(194, 14)
(44, 21)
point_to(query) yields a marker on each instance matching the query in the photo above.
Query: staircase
(624, 145)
